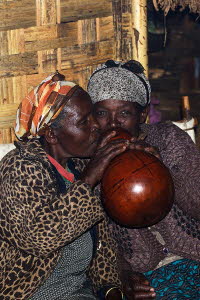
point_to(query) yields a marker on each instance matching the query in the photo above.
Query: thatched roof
(166, 5)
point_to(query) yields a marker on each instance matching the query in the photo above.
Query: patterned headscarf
(120, 81)
(42, 105)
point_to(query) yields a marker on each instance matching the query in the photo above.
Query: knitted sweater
(180, 229)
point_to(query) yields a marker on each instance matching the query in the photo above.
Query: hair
(58, 122)
(139, 107)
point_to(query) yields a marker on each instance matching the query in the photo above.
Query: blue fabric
(178, 280)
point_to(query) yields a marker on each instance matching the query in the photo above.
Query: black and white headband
(120, 81)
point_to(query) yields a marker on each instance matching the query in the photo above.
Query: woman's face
(117, 113)
(80, 132)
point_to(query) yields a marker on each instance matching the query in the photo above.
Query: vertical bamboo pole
(139, 23)
(140, 39)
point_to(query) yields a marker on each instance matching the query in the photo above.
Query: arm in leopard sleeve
(35, 216)
(103, 270)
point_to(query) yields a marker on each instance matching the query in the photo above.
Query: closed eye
(83, 122)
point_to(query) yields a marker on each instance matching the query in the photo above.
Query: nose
(95, 125)
(114, 122)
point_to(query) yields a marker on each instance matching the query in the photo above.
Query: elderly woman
(161, 261)
(48, 206)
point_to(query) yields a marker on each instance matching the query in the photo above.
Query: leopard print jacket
(38, 219)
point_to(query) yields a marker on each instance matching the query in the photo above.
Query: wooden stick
(139, 23)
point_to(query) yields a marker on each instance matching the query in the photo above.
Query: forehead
(112, 104)
(80, 104)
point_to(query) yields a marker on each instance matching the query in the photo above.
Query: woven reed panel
(38, 37)
(17, 14)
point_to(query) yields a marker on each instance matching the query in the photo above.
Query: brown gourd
(137, 188)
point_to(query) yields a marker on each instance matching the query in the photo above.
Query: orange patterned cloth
(41, 106)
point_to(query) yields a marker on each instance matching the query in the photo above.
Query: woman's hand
(136, 286)
(105, 152)
(140, 144)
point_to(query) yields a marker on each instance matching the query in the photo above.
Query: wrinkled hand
(105, 152)
(140, 144)
(136, 286)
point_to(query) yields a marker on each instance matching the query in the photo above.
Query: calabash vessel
(137, 188)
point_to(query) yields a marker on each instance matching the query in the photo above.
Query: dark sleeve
(182, 157)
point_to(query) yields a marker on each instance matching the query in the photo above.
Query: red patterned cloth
(41, 106)
(63, 172)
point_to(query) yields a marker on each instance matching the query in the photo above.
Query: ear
(50, 136)
(144, 114)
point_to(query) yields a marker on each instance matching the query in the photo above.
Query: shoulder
(166, 134)
(173, 143)
(26, 161)
(162, 129)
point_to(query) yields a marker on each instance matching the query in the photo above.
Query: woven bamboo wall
(38, 37)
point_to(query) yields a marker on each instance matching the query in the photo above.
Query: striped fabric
(41, 106)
